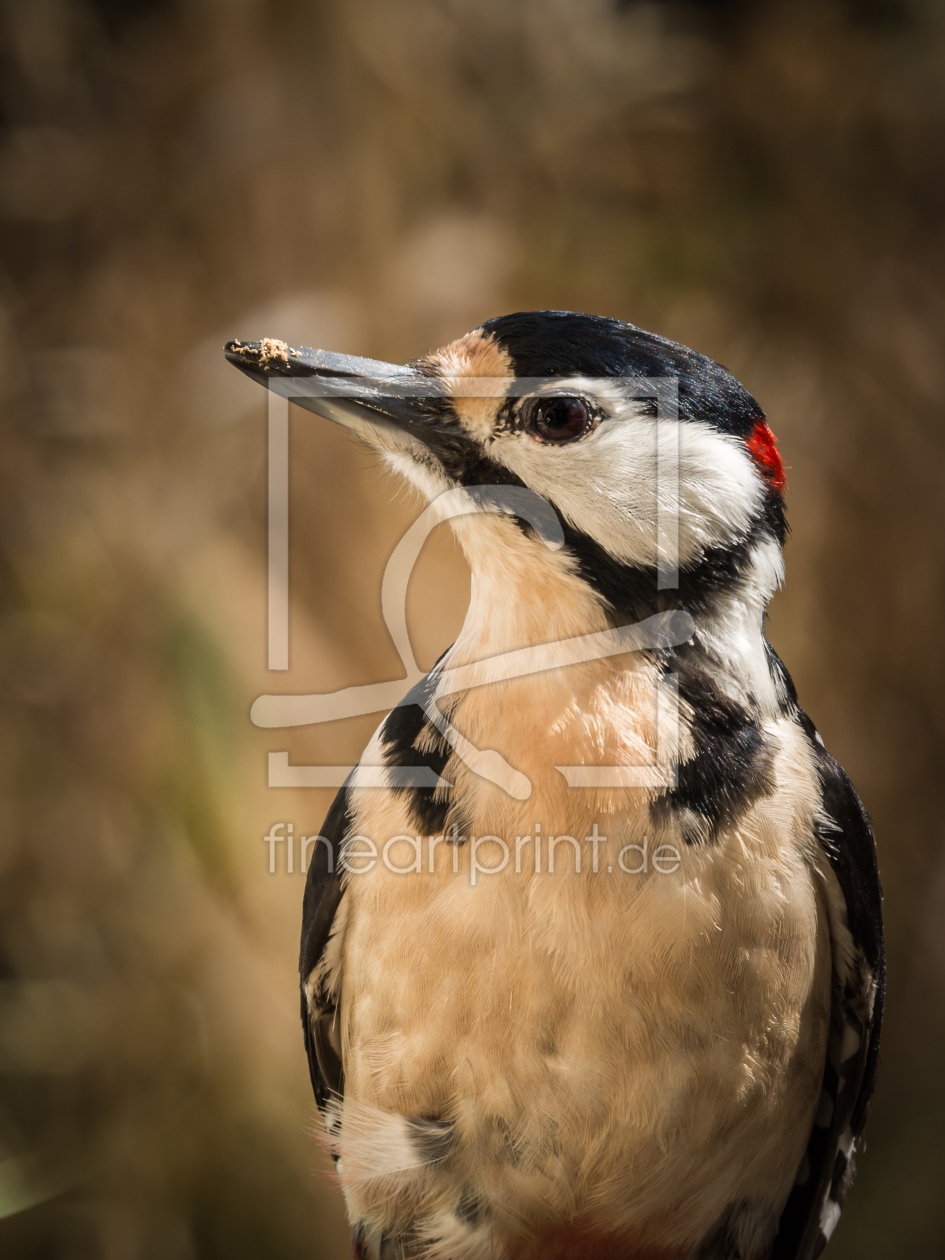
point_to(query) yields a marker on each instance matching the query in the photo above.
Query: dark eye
(560, 419)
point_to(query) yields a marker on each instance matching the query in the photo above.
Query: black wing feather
(856, 1012)
(323, 893)
(324, 887)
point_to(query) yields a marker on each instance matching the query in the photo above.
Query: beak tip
(268, 355)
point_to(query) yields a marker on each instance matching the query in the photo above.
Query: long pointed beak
(365, 395)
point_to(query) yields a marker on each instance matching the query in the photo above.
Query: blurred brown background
(761, 181)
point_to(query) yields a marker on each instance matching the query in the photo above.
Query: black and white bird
(557, 1001)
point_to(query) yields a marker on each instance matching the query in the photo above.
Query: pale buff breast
(609, 1046)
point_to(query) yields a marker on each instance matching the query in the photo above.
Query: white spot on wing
(850, 1044)
(829, 1217)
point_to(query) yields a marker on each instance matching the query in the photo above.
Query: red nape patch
(764, 451)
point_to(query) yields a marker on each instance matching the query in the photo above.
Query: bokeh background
(761, 181)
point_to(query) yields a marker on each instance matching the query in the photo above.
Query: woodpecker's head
(660, 467)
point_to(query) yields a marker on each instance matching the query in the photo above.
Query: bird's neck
(728, 647)
(527, 595)
(522, 594)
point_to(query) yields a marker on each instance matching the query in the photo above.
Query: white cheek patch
(733, 633)
(405, 455)
(607, 484)
(419, 468)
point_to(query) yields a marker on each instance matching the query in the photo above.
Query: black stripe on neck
(631, 590)
(731, 769)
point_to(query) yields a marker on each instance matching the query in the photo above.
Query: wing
(859, 974)
(323, 893)
(324, 887)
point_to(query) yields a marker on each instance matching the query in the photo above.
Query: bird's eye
(560, 419)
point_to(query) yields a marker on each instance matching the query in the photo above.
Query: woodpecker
(661, 1050)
